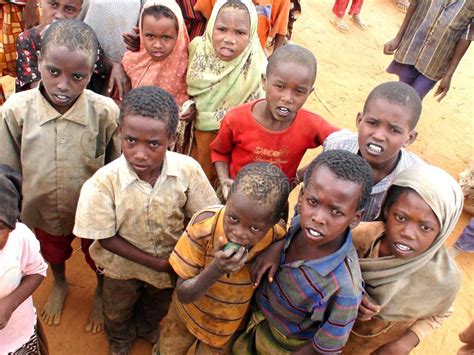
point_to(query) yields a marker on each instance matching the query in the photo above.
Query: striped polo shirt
(216, 316)
(314, 299)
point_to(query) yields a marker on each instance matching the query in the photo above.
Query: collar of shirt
(323, 265)
(127, 175)
(46, 112)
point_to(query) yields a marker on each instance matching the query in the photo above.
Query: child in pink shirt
(22, 269)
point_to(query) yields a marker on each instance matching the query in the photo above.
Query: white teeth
(314, 233)
(402, 247)
(61, 97)
(283, 110)
(375, 148)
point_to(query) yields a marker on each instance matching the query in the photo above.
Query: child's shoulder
(204, 222)
(240, 113)
(109, 174)
(184, 164)
(22, 99)
(101, 103)
(23, 235)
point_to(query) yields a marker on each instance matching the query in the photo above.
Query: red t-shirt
(243, 140)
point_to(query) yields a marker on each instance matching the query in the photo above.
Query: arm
(118, 79)
(445, 82)
(222, 168)
(225, 262)
(132, 39)
(120, 246)
(391, 46)
(267, 261)
(280, 40)
(30, 14)
(28, 285)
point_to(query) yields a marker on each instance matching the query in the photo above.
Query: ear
(264, 81)
(172, 140)
(357, 218)
(411, 138)
(359, 119)
(300, 199)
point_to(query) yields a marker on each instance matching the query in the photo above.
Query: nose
(157, 44)
(318, 216)
(229, 39)
(58, 15)
(62, 84)
(140, 154)
(239, 234)
(409, 232)
(287, 96)
(378, 134)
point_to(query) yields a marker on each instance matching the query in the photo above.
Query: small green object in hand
(231, 245)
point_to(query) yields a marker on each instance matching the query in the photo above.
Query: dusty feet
(95, 321)
(53, 307)
(340, 25)
(359, 22)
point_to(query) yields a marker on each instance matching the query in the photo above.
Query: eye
(241, 33)
(312, 201)
(395, 130)
(232, 218)
(130, 140)
(400, 218)
(255, 229)
(149, 35)
(301, 92)
(279, 86)
(53, 72)
(372, 123)
(221, 29)
(166, 38)
(78, 77)
(53, 4)
(336, 212)
(426, 228)
(70, 10)
(154, 144)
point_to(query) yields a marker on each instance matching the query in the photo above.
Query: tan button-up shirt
(56, 153)
(115, 201)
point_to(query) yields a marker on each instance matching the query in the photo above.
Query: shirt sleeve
(468, 33)
(95, 214)
(333, 333)
(189, 255)
(31, 261)
(200, 192)
(223, 144)
(10, 136)
(280, 14)
(113, 149)
(323, 129)
(27, 61)
(425, 326)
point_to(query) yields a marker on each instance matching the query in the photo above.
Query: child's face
(287, 87)
(4, 233)
(231, 32)
(159, 36)
(383, 130)
(59, 9)
(244, 222)
(64, 74)
(328, 206)
(144, 144)
(411, 226)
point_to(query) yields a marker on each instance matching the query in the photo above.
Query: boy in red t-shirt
(275, 129)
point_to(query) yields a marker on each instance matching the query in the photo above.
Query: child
(163, 59)
(21, 271)
(386, 126)
(275, 129)
(430, 43)
(225, 70)
(312, 302)
(410, 280)
(339, 10)
(208, 306)
(273, 17)
(135, 209)
(58, 135)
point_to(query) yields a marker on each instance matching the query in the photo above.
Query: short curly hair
(265, 184)
(346, 166)
(293, 53)
(152, 102)
(72, 34)
(400, 94)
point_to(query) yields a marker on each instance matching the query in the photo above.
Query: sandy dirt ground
(350, 65)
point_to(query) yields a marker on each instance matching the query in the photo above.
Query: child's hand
(6, 311)
(267, 261)
(391, 46)
(189, 114)
(119, 80)
(229, 261)
(367, 309)
(401, 346)
(443, 87)
(132, 39)
(225, 186)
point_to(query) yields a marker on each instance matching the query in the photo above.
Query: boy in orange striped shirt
(212, 259)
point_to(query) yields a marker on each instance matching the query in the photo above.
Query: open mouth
(374, 148)
(227, 52)
(283, 111)
(61, 98)
(314, 234)
(402, 247)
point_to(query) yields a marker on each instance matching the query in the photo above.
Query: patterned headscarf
(10, 195)
(217, 85)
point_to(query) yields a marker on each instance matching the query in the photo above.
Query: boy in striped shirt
(311, 305)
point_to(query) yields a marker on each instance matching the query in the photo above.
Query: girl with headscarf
(410, 279)
(225, 70)
(163, 59)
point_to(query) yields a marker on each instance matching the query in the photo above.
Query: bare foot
(53, 307)
(95, 321)
(340, 25)
(359, 22)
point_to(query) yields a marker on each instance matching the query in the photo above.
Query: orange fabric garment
(272, 16)
(170, 73)
(216, 316)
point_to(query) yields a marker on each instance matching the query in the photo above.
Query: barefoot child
(225, 70)
(163, 60)
(213, 291)
(311, 305)
(135, 209)
(58, 135)
(275, 129)
(410, 280)
(386, 126)
(339, 10)
(22, 269)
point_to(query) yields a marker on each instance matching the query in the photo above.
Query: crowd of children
(178, 189)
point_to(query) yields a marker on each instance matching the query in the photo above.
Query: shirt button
(62, 141)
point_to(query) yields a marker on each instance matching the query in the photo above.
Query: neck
(384, 250)
(263, 115)
(382, 170)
